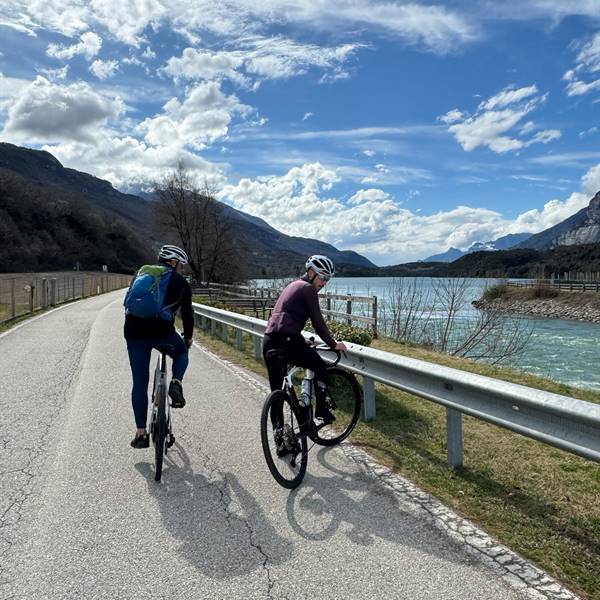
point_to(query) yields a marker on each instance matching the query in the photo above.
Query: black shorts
(296, 352)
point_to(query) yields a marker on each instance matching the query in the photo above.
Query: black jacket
(179, 297)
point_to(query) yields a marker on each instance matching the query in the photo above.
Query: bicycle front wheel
(344, 400)
(284, 445)
(160, 432)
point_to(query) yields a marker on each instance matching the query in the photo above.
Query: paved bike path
(84, 518)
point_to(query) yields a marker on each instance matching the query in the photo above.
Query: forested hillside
(48, 228)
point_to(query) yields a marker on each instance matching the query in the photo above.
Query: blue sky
(396, 129)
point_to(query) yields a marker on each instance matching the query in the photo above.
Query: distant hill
(581, 228)
(267, 251)
(516, 262)
(502, 243)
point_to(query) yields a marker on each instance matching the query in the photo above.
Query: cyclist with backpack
(296, 304)
(155, 295)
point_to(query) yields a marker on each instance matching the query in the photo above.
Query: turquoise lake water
(566, 351)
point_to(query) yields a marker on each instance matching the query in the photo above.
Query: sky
(395, 129)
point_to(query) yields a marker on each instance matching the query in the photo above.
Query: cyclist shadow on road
(222, 530)
(351, 502)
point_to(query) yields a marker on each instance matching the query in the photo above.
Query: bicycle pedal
(170, 441)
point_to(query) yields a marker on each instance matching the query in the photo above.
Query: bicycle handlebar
(325, 348)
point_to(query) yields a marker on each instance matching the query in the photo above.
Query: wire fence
(25, 293)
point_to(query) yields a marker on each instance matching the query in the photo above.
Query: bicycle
(287, 421)
(161, 427)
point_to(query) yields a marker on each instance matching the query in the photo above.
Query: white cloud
(369, 153)
(579, 88)
(508, 96)
(46, 112)
(55, 74)
(259, 58)
(10, 89)
(588, 64)
(307, 115)
(452, 116)
(202, 118)
(373, 223)
(89, 46)
(103, 69)
(496, 117)
(433, 28)
(587, 132)
(202, 64)
(131, 165)
(61, 16)
(591, 181)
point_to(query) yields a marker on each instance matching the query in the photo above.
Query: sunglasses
(324, 277)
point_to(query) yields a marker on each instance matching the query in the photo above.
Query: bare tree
(442, 321)
(196, 218)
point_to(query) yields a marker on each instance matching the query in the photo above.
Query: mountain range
(62, 197)
(267, 251)
(502, 243)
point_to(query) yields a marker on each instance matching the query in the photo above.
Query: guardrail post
(369, 398)
(238, 339)
(224, 332)
(257, 347)
(31, 293)
(328, 305)
(213, 327)
(44, 293)
(454, 438)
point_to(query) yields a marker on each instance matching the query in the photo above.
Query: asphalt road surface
(82, 516)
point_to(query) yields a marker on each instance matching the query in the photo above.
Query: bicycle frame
(307, 427)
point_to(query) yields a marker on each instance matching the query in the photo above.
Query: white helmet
(321, 265)
(169, 252)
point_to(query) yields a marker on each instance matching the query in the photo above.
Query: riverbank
(542, 302)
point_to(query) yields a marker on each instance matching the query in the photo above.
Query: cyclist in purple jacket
(296, 304)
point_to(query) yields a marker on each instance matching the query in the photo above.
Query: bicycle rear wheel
(160, 432)
(286, 456)
(344, 400)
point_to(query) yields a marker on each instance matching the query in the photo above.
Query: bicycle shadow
(358, 506)
(221, 528)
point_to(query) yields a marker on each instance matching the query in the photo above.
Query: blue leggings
(139, 359)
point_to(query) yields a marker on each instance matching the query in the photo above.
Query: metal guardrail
(567, 423)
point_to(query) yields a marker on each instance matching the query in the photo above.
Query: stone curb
(512, 568)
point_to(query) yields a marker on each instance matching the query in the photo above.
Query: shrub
(349, 333)
(543, 291)
(495, 291)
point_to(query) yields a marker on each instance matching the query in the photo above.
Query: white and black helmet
(169, 252)
(321, 265)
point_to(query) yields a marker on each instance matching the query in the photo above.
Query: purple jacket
(297, 303)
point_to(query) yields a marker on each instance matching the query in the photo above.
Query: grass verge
(542, 502)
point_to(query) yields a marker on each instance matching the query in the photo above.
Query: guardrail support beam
(369, 398)
(238, 339)
(257, 347)
(454, 437)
